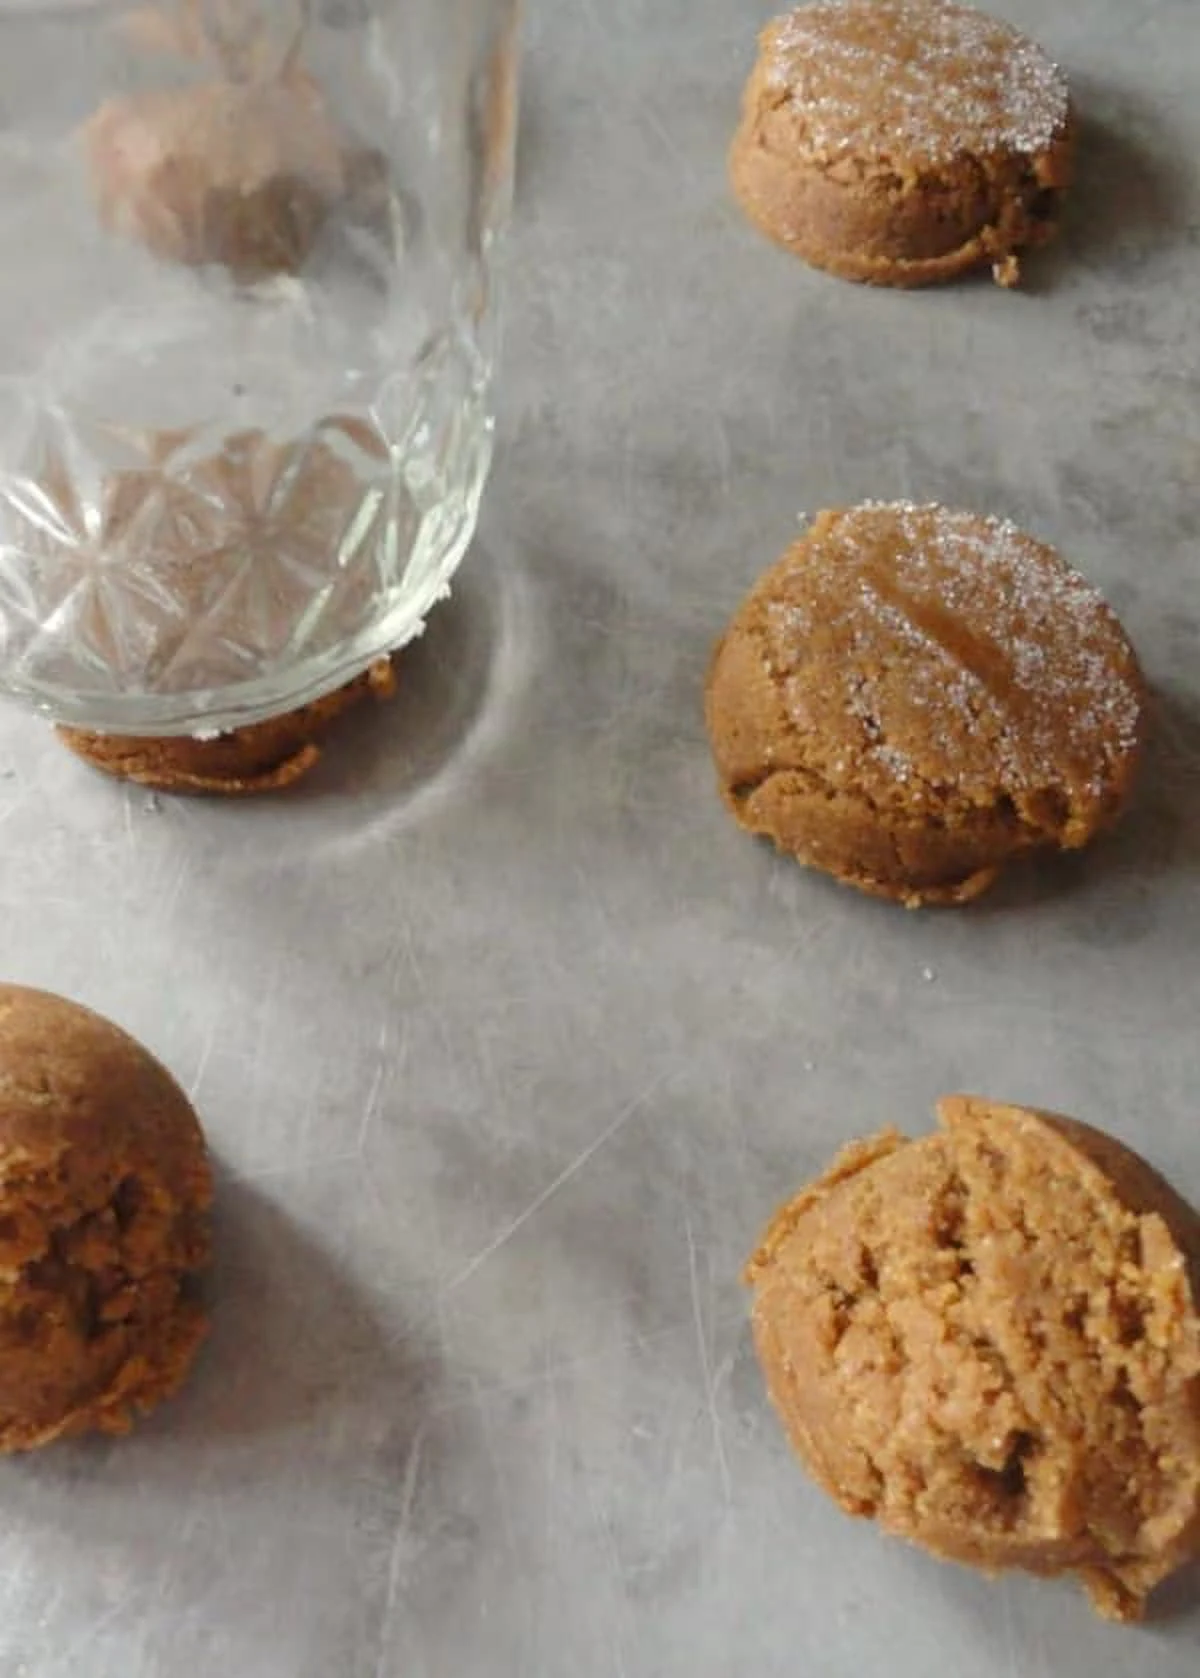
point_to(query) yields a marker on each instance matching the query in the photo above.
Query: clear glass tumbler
(247, 336)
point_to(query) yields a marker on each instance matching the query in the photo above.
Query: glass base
(323, 589)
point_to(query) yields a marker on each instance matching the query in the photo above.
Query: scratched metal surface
(506, 1040)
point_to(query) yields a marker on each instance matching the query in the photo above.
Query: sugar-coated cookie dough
(912, 697)
(104, 1200)
(263, 757)
(903, 142)
(988, 1339)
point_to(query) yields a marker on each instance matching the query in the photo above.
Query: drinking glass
(248, 313)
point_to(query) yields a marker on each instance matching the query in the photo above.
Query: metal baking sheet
(508, 1042)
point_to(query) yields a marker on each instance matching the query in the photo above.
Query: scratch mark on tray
(306, 1164)
(669, 143)
(628, 1112)
(260, 1058)
(479, 1399)
(67, 1660)
(552, 1447)
(20, 799)
(371, 1110)
(592, 14)
(706, 1369)
(398, 1560)
(521, 1576)
(206, 1050)
(415, 965)
(724, 455)
(175, 889)
(570, 1369)
(731, 1108)
(609, 1545)
(408, 955)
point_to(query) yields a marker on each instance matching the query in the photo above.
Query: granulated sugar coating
(903, 142)
(1004, 638)
(944, 79)
(913, 696)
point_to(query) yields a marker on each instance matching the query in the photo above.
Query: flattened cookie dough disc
(902, 142)
(264, 757)
(988, 1340)
(104, 1224)
(912, 697)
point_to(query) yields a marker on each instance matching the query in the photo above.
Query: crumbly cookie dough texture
(105, 1190)
(912, 697)
(903, 142)
(264, 757)
(988, 1339)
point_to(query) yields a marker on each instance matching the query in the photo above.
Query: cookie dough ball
(988, 1340)
(902, 142)
(911, 698)
(239, 173)
(104, 1199)
(264, 757)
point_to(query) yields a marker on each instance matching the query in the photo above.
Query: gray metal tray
(508, 1041)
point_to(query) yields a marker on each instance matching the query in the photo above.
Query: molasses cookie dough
(902, 142)
(912, 697)
(989, 1340)
(104, 1198)
(264, 757)
(239, 173)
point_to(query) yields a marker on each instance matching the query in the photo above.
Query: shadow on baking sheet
(1163, 830)
(295, 1353)
(1178, 1599)
(1160, 836)
(385, 765)
(1129, 198)
(291, 1338)
(297, 1443)
(444, 679)
(530, 143)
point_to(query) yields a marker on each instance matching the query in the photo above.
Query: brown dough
(902, 142)
(911, 698)
(240, 173)
(104, 1199)
(264, 757)
(989, 1340)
